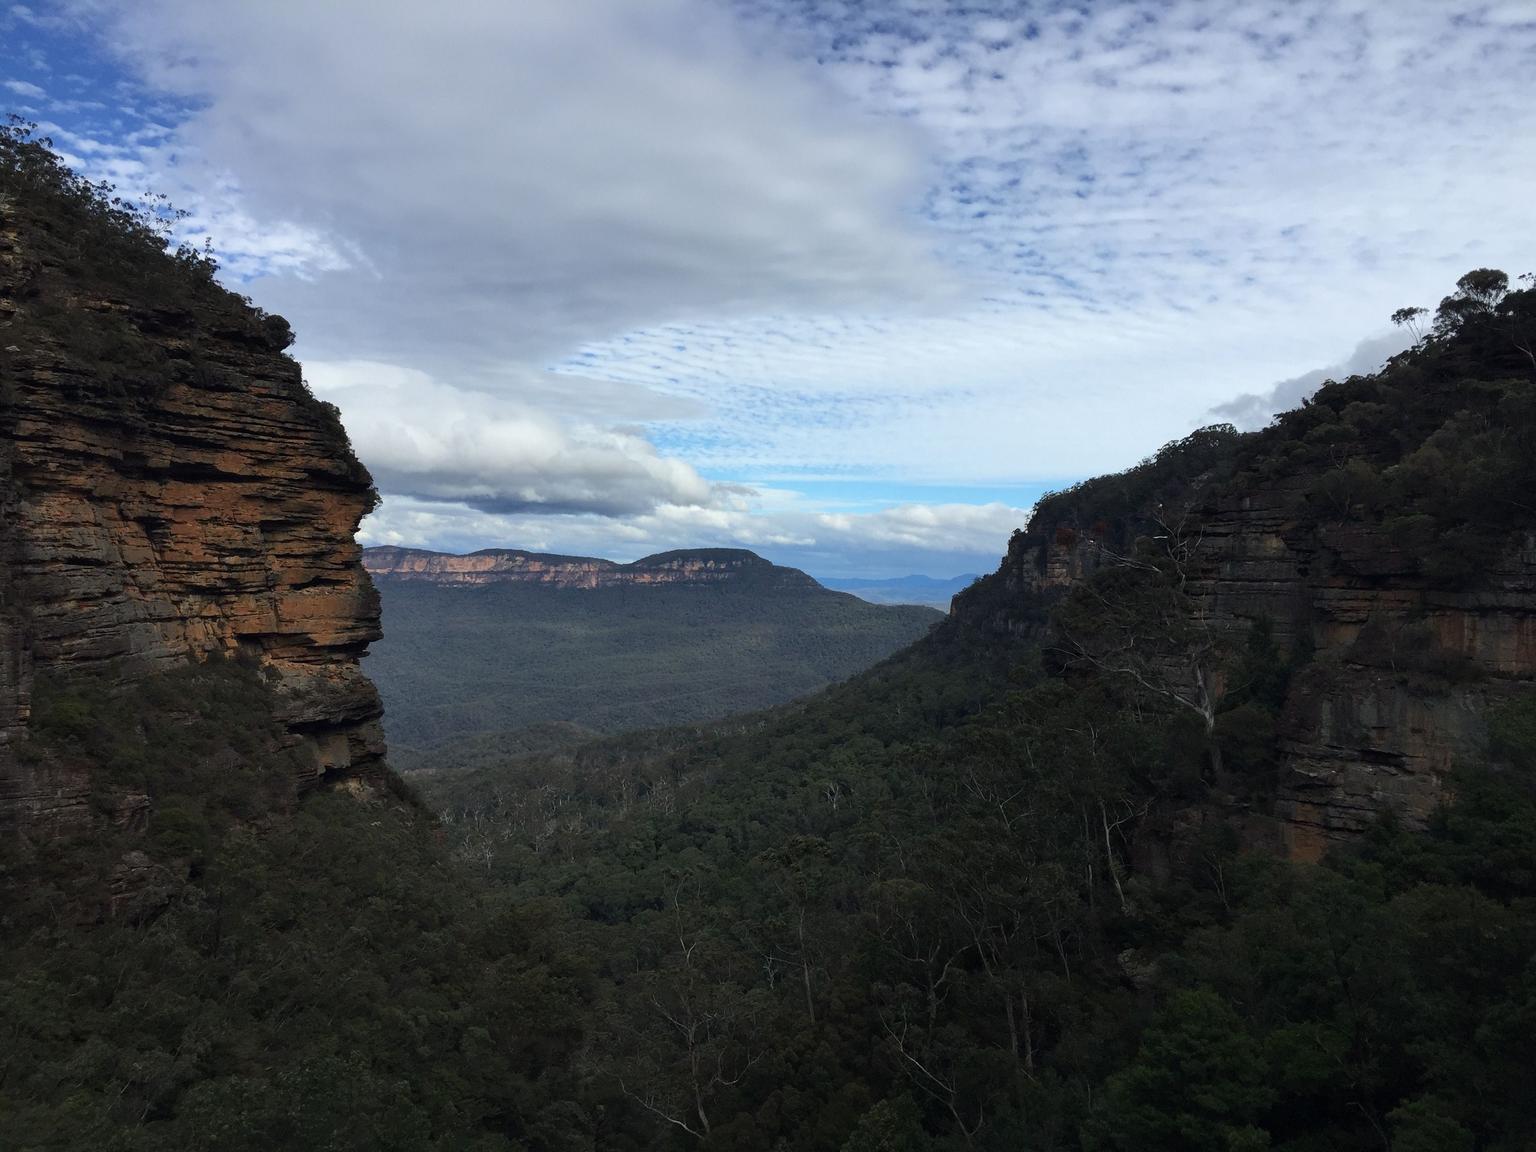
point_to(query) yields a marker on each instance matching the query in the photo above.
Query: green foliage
(119, 233)
(1111, 506)
(101, 283)
(1197, 1084)
(890, 1126)
(277, 971)
(1512, 735)
(1422, 1126)
(1434, 449)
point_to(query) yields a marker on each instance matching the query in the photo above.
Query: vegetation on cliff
(1434, 446)
(88, 242)
(99, 279)
(233, 966)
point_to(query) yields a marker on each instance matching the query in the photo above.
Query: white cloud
(22, 88)
(425, 439)
(1255, 409)
(720, 217)
(936, 538)
(1181, 202)
(517, 176)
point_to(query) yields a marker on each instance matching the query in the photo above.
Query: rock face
(699, 566)
(1399, 673)
(170, 491)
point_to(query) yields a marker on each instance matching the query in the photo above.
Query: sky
(850, 284)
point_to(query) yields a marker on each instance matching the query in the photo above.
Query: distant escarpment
(1375, 550)
(169, 489)
(497, 641)
(696, 566)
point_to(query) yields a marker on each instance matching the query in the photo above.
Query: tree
(1413, 320)
(1198, 1083)
(890, 1126)
(688, 1028)
(1136, 620)
(1478, 296)
(793, 879)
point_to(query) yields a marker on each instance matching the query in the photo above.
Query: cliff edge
(170, 489)
(1376, 544)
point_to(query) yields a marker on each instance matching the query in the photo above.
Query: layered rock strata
(171, 491)
(1399, 675)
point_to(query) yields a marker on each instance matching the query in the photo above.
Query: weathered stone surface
(139, 887)
(1401, 674)
(203, 507)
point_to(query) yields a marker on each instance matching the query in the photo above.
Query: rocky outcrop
(699, 566)
(1395, 675)
(171, 491)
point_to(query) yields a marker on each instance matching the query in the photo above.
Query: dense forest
(456, 662)
(989, 895)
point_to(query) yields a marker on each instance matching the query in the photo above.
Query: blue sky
(847, 283)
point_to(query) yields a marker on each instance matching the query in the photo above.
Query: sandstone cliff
(170, 490)
(1380, 536)
(698, 566)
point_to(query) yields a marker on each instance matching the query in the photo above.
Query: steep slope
(171, 490)
(1378, 535)
(501, 640)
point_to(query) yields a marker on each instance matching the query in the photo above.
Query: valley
(1205, 822)
(504, 640)
(905, 589)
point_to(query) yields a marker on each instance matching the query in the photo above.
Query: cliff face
(171, 491)
(702, 566)
(1395, 664)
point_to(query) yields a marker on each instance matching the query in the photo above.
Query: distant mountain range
(503, 639)
(928, 590)
(696, 566)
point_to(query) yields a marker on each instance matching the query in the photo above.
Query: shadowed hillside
(1023, 885)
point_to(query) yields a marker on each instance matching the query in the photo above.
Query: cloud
(21, 13)
(431, 441)
(935, 538)
(22, 88)
(1170, 204)
(720, 217)
(960, 528)
(521, 175)
(1256, 409)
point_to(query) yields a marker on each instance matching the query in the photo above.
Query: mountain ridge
(684, 566)
(502, 639)
(934, 591)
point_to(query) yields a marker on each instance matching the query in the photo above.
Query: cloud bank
(429, 441)
(512, 177)
(887, 542)
(1255, 410)
(759, 241)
